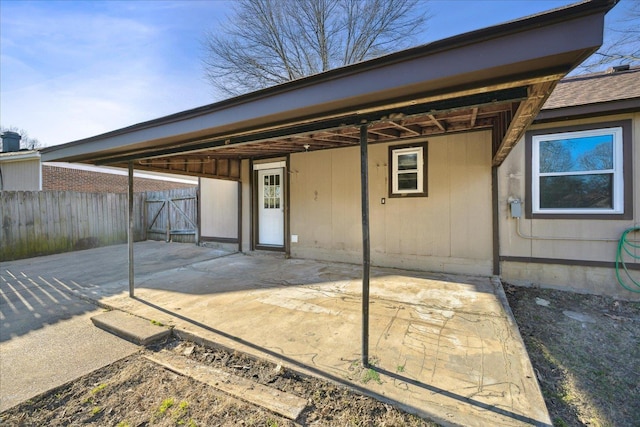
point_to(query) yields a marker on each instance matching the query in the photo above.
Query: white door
(270, 207)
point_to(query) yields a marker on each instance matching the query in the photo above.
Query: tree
(268, 42)
(26, 141)
(622, 41)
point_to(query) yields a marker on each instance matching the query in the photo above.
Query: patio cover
(494, 78)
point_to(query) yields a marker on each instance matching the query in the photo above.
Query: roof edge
(629, 105)
(572, 11)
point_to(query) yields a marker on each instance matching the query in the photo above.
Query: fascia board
(533, 50)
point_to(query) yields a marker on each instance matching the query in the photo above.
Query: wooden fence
(38, 223)
(172, 215)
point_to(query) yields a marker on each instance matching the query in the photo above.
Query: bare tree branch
(26, 142)
(622, 41)
(268, 42)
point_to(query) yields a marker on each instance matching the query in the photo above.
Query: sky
(74, 69)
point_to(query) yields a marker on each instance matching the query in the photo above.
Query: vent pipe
(10, 141)
(618, 68)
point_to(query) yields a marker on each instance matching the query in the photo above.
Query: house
(22, 170)
(58, 176)
(19, 169)
(393, 162)
(574, 180)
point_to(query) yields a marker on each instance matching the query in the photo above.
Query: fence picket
(38, 223)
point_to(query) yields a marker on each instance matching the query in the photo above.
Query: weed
(272, 423)
(96, 410)
(98, 389)
(400, 368)
(183, 406)
(165, 405)
(559, 422)
(371, 374)
(123, 424)
(155, 322)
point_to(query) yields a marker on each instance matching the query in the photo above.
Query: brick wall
(56, 178)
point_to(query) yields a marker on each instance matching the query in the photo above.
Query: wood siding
(219, 209)
(590, 241)
(448, 231)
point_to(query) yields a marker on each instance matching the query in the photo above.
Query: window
(271, 198)
(407, 169)
(579, 172)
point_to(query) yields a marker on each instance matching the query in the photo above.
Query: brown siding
(581, 247)
(448, 231)
(56, 178)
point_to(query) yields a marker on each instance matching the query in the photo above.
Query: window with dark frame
(408, 170)
(579, 172)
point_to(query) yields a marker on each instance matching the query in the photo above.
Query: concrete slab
(131, 328)
(48, 357)
(444, 346)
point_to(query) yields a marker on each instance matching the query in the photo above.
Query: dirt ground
(137, 392)
(584, 349)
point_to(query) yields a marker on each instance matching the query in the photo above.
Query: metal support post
(366, 246)
(130, 230)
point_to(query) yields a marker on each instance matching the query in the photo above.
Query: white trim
(158, 176)
(617, 171)
(18, 156)
(395, 153)
(272, 165)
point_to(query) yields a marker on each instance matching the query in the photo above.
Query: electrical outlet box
(516, 208)
(294, 238)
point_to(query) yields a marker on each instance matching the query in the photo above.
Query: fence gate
(172, 217)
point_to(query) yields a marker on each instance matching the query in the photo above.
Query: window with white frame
(578, 172)
(407, 169)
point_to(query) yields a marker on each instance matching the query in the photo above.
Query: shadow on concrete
(37, 292)
(351, 385)
(28, 303)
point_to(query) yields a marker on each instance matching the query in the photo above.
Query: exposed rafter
(437, 122)
(525, 114)
(474, 116)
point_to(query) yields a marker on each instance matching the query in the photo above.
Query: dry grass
(588, 369)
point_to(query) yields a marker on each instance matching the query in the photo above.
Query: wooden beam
(522, 118)
(404, 128)
(436, 122)
(474, 115)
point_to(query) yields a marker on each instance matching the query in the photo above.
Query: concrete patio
(444, 346)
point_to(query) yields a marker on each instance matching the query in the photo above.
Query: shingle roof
(596, 88)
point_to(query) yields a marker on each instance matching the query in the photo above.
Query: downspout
(495, 220)
(366, 245)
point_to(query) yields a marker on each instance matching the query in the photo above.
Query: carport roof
(494, 78)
